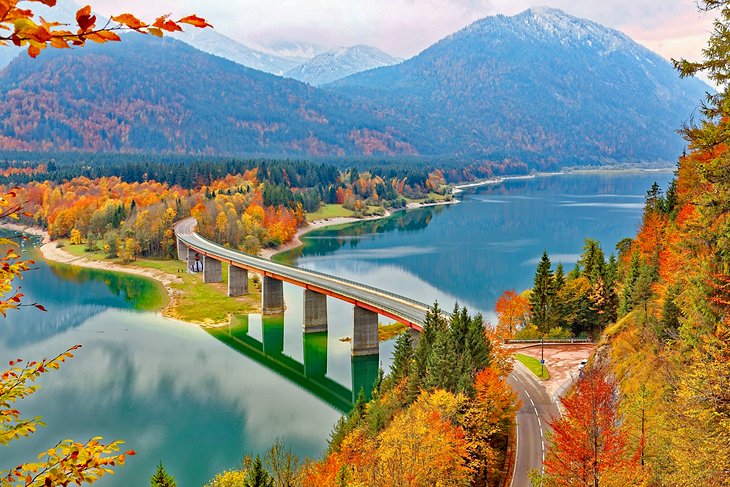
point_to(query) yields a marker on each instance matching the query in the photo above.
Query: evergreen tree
(592, 260)
(434, 325)
(442, 369)
(161, 478)
(559, 277)
(257, 476)
(402, 357)
(542, 298)
(632, 275)
(478, 347)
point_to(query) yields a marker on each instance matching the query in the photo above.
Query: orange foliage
(20, 26)
(512, 312)
(588, 444)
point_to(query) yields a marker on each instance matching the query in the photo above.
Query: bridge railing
(325, 275)
(267, 263)
(551, 340)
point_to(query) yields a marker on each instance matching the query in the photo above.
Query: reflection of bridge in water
(368, 301)
(310, 375)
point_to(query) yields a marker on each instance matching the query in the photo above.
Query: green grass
(329, 211)
(534, 365)
(195, 301)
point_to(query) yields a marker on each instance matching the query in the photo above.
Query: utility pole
(542, 356)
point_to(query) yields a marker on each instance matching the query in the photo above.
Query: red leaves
(587, 441)
(84, 18)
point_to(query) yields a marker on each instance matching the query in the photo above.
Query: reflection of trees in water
(328, 240)
(30, 326)
(138, 292)
(72, 295)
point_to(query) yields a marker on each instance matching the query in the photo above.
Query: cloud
(673, 28)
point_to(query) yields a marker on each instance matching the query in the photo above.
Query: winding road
(537, 408)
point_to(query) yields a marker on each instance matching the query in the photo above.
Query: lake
(472, 251)
(198, 400)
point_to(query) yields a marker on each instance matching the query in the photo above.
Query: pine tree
(559, 277)
(161, 478)
(542, 298)
(402, 357)
(257, 476)
(632, 275)
(478, 347)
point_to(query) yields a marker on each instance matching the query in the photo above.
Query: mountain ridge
(523, 86)
(340, 62)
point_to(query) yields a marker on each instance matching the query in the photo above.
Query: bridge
(368, 301)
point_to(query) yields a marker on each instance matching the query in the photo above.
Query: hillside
(175, 99)
(212, 42)
(339, 63)
(539, 85)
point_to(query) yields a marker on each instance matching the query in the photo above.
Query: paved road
(532, 418)
(398, 307)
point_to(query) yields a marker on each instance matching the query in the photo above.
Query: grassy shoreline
(190, 300)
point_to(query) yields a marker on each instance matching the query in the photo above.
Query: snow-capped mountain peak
(340, 62)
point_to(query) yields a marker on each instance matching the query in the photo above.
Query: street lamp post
(542, 356)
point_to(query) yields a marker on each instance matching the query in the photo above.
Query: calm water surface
(198, 401)
(471, 252)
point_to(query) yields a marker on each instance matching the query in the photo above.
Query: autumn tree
(68, 461)
(488, 421)
(512, 313)
(588, 446)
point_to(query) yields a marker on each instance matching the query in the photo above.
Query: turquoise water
(472, 251)
(198, 401)
(173, 391)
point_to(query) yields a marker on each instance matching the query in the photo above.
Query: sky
(403, 28)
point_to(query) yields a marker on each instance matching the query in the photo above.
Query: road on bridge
(400, 308)
(537, 408)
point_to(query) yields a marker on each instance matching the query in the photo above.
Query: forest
(126, 209)
(442, 415)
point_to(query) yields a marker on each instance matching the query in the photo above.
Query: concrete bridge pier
(273, 296)
(365, 332)
(182, 250)
(415, 337)
(212, 270)
(237, 281)
(315, 312)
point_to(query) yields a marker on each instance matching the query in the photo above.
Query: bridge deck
(391, 305)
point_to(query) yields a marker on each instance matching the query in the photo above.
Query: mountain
(212, 42)
(174, 98)
(297, 52)
(339, 63)
(539, 85)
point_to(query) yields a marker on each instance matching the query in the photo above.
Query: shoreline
(296, 242)
(50, 252)
(459, 188)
